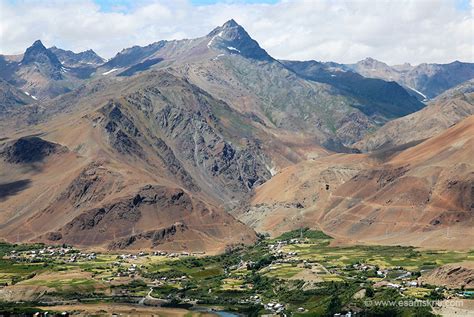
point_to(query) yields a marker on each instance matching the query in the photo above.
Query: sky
(398, 31)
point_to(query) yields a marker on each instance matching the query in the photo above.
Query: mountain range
(427, 80)
(199, 144)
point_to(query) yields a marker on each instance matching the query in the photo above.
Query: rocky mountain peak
(91, 53)
(372, 61)
(230, 23)
(228, 28)
(232, 38)
(38, 43)
(38, 53)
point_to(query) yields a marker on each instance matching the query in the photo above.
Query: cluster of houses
(278, 308)
(241, 266)
(402, 286)
(382, 273)
(405, 277)
(275, 308)
(165, 280)
(50, 253)
(69, 254)
(124, 271)
(177, 254)
(131, 256)
(363, 267)
(279, 244)
(83, 256)
(282, 254)
(132, 269)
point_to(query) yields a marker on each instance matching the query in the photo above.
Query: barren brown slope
(298, 194)
(146, 169)
(421, 196)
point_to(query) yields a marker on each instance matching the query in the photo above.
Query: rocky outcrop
(30, 149)
(54, 236)
(92, 185)
(122, 132)
(175, 122)
(155, 237)
(122, 214)
(130, 56)
(128, 209)
(451, 275)
(212, 156)
(153, 216)
(174, 166)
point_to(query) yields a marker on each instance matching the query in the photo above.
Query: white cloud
(412, 31)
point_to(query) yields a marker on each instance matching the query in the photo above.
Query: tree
(334, 305)
(369, 292)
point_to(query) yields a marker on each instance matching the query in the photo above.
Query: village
(256, 276)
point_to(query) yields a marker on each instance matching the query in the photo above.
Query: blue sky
(128, 5)
(463, 4)
(206, 2)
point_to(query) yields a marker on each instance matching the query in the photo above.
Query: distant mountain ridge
(229, 64)
(71, 59)
(47, 73)
(425, 81)
(429, 80)
(392, 100)
(444, 111)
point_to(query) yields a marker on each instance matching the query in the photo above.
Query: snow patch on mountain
(110, 71)
(217, 57)
(212, 39)
(231, 48)
(418, 92)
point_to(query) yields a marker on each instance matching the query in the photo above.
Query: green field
(382, 256)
